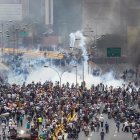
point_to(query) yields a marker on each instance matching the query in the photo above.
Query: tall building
(133, 12)
(49, 12)
(11, 10)
(67, 16)
(41, 10)
(9, 1)
(35, 9)
(25, 8)
(133, 20)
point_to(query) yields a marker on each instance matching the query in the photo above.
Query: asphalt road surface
(112, 135)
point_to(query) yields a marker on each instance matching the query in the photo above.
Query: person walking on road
(102, 134)
(135, 136)
(102, 120)
(107, 127)
(28, 125)
(21, 120)
(118, 126)
(4, 136)
(98, 126)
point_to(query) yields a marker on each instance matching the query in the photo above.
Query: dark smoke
(134, 52)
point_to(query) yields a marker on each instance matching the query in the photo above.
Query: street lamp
(8, 35)
(78, 39)
(2, 30)
(84, 66)
(17, 38)
(83, 69)
(59, 75)
(1, 38)
(1, 43)
(88, 35)
(76, 76)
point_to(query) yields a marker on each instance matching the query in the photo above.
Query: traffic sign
(113, 52)
(24, 34)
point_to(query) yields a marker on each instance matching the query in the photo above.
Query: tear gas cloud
(103, 16)
(41, 74)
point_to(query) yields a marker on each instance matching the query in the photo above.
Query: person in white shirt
(126, 124)
(133, 124)
(10, 123)
(108, 110)
(101, 120)
(71, 125)
(60, 137)
(135, 136)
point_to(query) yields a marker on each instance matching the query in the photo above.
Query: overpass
(32, 53)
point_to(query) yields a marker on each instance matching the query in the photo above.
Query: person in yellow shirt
(40, 120)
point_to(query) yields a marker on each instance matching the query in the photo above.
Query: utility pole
(2, 30)
(17, 39)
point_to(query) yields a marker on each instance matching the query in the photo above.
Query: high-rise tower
(49, 12)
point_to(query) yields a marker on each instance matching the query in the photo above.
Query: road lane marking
(91, 134)
(115, 133)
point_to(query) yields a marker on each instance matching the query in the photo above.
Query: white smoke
(72, 40)
(78, 36)
(40, 74)
(107, 78)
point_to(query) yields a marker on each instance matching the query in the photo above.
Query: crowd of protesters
(45, 106)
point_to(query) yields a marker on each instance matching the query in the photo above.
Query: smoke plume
(38, 73)
(134, 51)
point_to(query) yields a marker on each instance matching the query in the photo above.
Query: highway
(112, 135)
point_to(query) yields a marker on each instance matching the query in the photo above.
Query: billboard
(10, 12)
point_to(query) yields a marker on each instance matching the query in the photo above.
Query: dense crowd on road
(45, 106)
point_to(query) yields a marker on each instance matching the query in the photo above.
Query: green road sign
(113, 52)
(24, 34)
